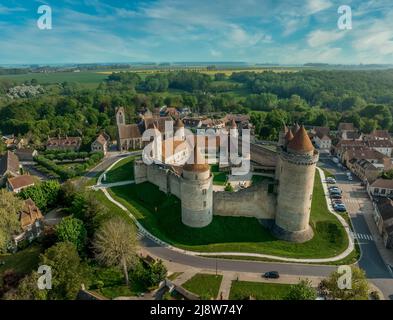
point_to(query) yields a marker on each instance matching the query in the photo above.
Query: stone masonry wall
(251, 202)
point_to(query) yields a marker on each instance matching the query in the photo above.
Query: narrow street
(360, 210)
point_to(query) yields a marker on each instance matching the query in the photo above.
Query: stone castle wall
(255, 201)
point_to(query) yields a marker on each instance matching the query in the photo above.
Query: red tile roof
(20, 182)
(301, 142)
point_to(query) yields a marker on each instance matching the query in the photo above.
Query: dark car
(272, 275)
(340, 208)
(336, 196)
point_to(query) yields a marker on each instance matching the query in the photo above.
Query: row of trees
(68, 173)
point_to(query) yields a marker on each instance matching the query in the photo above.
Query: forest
(311, 97)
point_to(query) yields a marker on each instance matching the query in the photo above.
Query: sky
(253, 31)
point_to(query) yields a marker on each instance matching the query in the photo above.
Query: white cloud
(314, 6)
(320, 38)
(237, 36)
(215, 53)
(7, 10)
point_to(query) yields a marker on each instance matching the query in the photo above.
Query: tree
(72, 230)
(302, 291)
(115, 245)
(158, 272)
(27, 289)
(359, 291)
(68, 273)
(87, 208)
(10, 206)
(388, 174)
(228, 188)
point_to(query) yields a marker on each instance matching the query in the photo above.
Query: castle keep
(283, 203)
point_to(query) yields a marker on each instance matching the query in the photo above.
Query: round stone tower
(285, 136)
(196, 188)
(298, 161)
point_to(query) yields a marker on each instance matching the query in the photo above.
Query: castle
(282, 203)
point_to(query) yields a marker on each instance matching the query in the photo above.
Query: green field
(122, 171)
(161, 215)
(204, 285)
(242, 290)
(89, 79)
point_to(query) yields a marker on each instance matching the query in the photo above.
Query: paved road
(235, 265)
(358, 204)
(105, 164)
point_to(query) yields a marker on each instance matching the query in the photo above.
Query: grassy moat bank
(161, 215)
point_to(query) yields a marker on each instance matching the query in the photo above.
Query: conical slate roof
(199, 164)
(289, 135)
(301, 142)
(295, 128)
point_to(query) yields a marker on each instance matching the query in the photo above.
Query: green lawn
(109, 282)
(219, 178)
(122, 171)
(241, 290)
(23, 261)
(204, 285)
(161, 215)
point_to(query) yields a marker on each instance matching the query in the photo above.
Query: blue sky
(255, 31)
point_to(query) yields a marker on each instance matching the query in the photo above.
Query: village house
(381, 188)
(345, 129)
(378, 135)
(31, 222)
(367, 171)
(9, 167)
(17, 184)
(382, 146)
(101, 144)
(322, 141)
(345, 145)
(372, 156)
(192, 123)
(13, 142)
(64, 144)
(383, 216)
(26, 154)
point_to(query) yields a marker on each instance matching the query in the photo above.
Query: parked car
(336, 196)
(340, 208)
(350, 178)
(271, 275)
(331, 180)
(337, 201)
(335, 189)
